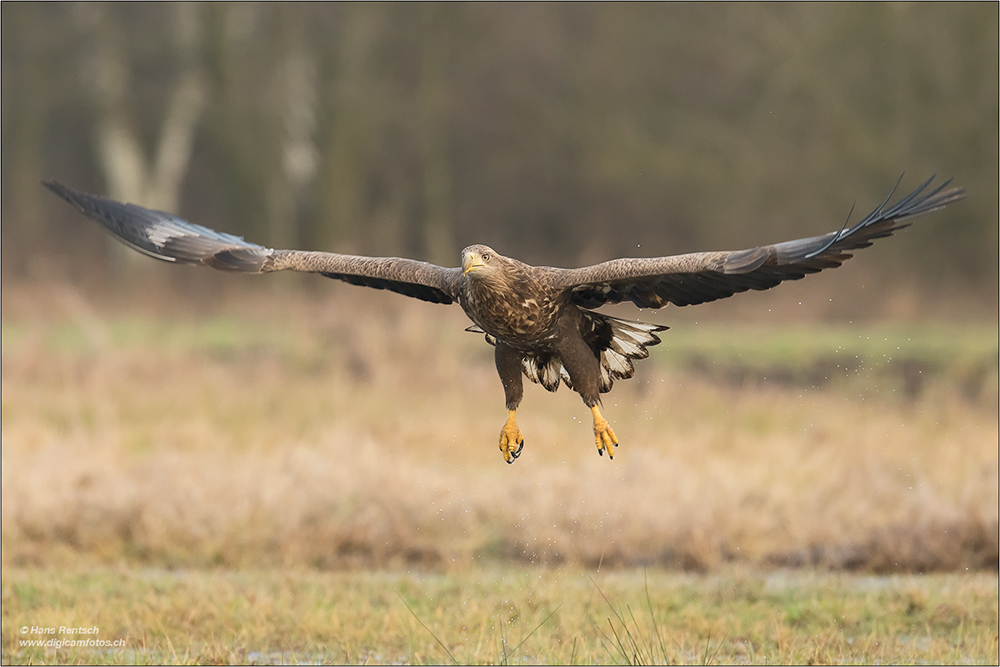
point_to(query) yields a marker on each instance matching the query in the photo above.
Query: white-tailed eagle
(539, 319)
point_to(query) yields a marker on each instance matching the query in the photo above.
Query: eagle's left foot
(511, 440)
(604, 436)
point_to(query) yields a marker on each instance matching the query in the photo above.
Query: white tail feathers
(545, 372)
(628, 341)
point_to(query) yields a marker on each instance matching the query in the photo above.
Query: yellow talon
(511, 441)
(604, 436)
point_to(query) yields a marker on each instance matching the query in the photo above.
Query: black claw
(515, 454)
(601, 451)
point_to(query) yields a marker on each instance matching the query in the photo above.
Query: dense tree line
(558, 133)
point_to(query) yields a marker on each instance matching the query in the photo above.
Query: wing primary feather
(839, 234)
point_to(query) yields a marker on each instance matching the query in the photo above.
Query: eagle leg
(510, 436)
(508, 362)
(604, 436)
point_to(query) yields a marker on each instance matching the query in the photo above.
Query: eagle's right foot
(604, 435)
(511, 441)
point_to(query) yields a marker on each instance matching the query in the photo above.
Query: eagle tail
(618, 343)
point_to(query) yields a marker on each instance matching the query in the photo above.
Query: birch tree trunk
(130, 173)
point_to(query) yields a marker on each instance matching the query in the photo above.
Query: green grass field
(502, 615)
(317, 479)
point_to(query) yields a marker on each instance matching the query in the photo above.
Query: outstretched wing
(706, 276)
(169, 238)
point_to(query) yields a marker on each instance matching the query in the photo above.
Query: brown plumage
(538, 318)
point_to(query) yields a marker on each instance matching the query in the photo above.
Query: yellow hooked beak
(472, 261)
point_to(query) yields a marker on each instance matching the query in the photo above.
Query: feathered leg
(508, 362)
(584, 368)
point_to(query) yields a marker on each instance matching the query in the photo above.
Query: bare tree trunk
(131, 175)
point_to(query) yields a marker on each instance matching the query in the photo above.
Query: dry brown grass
(359, 430)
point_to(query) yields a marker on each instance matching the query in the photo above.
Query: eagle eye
(486, 256)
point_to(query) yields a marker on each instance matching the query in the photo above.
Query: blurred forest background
(561, 134)
(196, 418)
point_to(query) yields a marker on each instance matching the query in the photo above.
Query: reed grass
(357, 431)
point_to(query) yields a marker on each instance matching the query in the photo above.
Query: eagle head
(480, 261)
